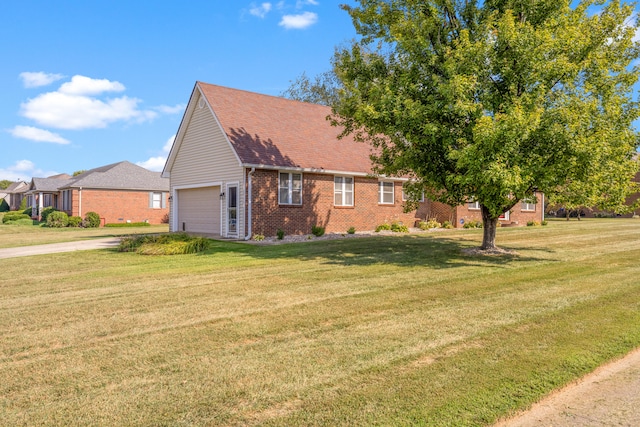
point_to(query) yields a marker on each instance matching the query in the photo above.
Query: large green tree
(491, 100)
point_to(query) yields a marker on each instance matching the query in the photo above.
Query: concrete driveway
(53, 248)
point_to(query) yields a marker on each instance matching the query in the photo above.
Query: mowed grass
(400, 330)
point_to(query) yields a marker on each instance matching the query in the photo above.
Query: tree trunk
(489, 225)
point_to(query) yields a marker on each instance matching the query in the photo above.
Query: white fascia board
(322, 171)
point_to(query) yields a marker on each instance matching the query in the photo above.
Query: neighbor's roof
(17, 187)
(50, 184)
(272, 131)
(119, 176)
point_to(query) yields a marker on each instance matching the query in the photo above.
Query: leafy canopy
(490, 100)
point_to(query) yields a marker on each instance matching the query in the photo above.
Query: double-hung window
(529, 204)
(290, 188)
(157, 200)
(343, 191)
(385, 192)
(474, 205)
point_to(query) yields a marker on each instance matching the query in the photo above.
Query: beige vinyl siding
(205, 156)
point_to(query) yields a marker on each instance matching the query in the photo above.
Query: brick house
(119, 192)
(14, 194)
(245, 163)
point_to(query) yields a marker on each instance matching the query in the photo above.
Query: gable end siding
(205, 156)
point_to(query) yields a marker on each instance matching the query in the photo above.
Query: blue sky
(88, 83)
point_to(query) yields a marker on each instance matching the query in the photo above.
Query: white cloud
(81, 85)
(157, 163)
(36, 134)
(299, 22)
(261, 10)
(38, 79)
(166, 109)
(23, 170)
(302, 3)
(71, 107)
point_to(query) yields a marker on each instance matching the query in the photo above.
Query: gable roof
(48, 185)
(274, 132)
(119, 176)
(17, 187)
(116, 176)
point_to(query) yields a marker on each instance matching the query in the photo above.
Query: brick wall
(517, 216)
(318, 206)
(118, 206)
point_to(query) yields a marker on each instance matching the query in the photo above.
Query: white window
(157, 200)
(290, 188)
(474, 206)
(343, 191)
(529, 204)
(385, 192)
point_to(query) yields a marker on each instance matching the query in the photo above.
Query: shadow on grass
(409, 251)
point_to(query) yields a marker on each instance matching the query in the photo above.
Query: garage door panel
(199, 210)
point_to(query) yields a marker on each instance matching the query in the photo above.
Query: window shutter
(164, 200)
(151, 200)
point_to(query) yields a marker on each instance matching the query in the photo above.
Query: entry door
(232, 209)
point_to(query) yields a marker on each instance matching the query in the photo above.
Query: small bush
(472, 223)
(398, 227)
(165, 219)
(165, 244)
(45, 213)
(280, 234)
(14, 216)
(4, 206)
(23, 205)
(545, 222)
(258, 237)
(533, 223)
(447, 224)
(427, 225)
(75, 221)
(383, 227)
(91, 220)
(57, 219)
(317, 230)
(351, 230)
(128, 224)
(27, 211)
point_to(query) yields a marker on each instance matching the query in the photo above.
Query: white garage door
(199, 210)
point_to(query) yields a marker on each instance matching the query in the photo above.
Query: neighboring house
(244, 163)
(14, 194)
(119, 192)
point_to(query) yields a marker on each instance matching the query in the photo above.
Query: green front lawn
(399, 330)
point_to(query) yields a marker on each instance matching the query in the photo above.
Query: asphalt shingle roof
(116, 176)
(272, 131)
(120, 176)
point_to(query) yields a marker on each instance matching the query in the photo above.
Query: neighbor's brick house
(244, 163)
(119, 192)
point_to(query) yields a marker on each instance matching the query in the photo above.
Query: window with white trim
(343, 191)
(385, 192)
(529, 204)
(474, 206)
(290, 188)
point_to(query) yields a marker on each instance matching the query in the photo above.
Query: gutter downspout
(250, 197)
(80, 202)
